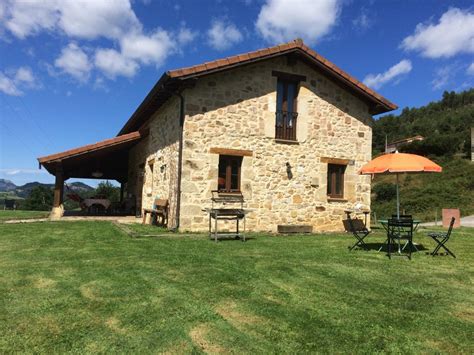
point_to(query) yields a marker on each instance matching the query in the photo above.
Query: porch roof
(109, 157)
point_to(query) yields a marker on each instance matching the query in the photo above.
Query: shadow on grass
(384, 247)
(230, 239)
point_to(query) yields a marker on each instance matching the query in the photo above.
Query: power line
(43, 132)
(44, 143)
(25, 145)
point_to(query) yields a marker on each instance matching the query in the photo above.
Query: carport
(107, 159)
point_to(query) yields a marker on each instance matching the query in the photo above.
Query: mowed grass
(6, 215)
(87, 287)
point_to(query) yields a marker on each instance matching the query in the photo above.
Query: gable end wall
(236, 110)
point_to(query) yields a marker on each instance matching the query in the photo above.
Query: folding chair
(442, 238)
(397, 230)
(359, 231)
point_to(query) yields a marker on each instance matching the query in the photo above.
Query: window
(336, 180)
(286, 114)
(229, 173)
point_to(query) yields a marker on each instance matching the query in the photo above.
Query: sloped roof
(119, 140)
(110, 156)
(173, 79)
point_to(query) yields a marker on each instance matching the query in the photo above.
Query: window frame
(229, 159)
(332, 172)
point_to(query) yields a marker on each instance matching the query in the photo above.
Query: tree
(385, 191)
(39, 199)
(108, 191)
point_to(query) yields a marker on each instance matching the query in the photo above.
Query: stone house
(282, 125)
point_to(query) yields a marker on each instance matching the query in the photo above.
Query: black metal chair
(359, 231)
(9, 205)
(442, 238)
(402, 216)
(398, 230)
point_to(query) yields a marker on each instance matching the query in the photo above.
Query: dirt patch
(179, 348)
(464, 312)
(175, 275)
(114, 324)
(42, 283)
(89, 291)
(50, 323)
(229, 311)
(274, 299)
(199, 336)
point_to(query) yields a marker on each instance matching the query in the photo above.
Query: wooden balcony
(285, 126)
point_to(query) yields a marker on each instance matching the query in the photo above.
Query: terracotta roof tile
(253, 55)
(273, 50)
(283, 47)
(211, 65)
(222, 62)
(234, 59)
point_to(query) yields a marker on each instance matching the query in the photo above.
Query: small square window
(229, 173)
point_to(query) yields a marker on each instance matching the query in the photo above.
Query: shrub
(385, 191)
(39, 199)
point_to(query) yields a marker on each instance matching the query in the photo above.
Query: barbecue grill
(227, 207)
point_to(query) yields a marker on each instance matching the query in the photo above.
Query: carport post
(58, 208)
(122, 187)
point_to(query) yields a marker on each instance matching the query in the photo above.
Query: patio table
(384, 223)
(89, 202)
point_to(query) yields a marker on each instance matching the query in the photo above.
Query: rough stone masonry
(235, 109)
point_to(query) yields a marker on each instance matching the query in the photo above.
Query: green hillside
(446, 127)
(445, 124)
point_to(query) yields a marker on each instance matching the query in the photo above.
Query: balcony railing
(285, 127)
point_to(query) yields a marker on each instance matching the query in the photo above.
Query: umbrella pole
(398, 200)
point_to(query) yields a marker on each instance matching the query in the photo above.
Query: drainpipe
(180, 157)
(180, 153)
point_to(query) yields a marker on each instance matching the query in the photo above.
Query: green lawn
(87, 287)
(6, 215)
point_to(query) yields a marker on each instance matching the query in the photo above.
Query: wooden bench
(160, 211)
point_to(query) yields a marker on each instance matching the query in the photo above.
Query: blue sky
(73, 71)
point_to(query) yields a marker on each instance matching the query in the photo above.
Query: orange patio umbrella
(396, 163)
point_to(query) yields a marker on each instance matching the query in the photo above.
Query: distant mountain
(24, 190)
(6, 185)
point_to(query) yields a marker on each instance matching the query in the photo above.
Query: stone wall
(153, 162)
(236, 110)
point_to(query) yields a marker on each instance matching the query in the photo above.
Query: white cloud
(147, 49)
(378, 80)
(470, 69)
(453, 34)
(8, 86)
(16, 171)
(113, 63)
(363, 21)
(23, 18)
(223, 35)
(186, 35)
(77, 18)
(446, 75)
(15, 81)
(74, 61)
(284, 20)
(92, 19)
(114, 20)
(24, 75)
